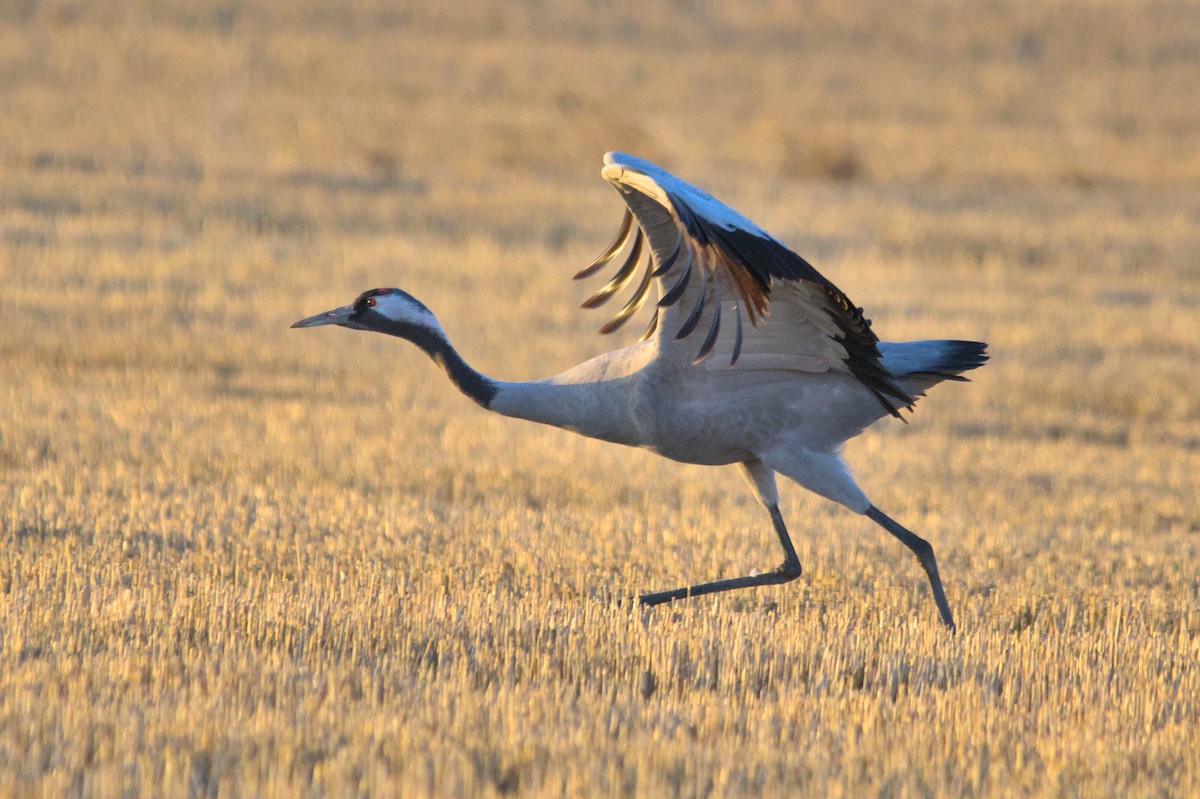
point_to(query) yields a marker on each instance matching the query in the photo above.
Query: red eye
(370, 302)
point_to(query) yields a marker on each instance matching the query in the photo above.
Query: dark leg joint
(789, 570)
(924, 552)
(786, 572)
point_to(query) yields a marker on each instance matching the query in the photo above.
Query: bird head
(389, 311)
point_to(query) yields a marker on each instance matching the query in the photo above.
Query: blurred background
(198, 505)
(182, 179)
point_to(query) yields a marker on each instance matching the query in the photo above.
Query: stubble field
(240, 560)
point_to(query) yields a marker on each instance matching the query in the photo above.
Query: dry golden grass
(245, 561)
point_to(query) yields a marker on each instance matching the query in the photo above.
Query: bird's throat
(475, 385)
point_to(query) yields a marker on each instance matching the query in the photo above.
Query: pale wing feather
(796, 335)
(731, 295)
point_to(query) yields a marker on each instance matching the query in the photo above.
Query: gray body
(795, 422)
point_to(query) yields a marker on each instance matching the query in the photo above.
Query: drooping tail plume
(931, 362)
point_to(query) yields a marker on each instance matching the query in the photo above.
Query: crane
(752, 357)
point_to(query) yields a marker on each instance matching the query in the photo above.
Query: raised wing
(713, 266)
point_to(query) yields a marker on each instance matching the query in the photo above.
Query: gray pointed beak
(338, 316)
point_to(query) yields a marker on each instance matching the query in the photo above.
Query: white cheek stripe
(399, 308)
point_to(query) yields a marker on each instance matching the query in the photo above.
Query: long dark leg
(924, 553)
(786, 572)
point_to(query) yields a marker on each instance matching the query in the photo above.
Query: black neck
(470, 382)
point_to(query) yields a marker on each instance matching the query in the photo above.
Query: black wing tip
(892, 407)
